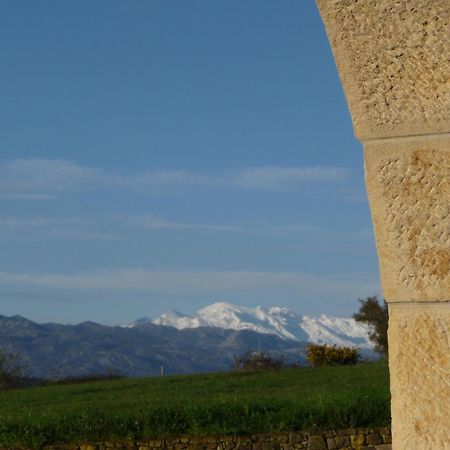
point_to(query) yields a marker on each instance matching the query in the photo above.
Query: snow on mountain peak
(178, 320)
(277, 320)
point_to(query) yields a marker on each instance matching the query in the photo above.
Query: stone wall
(350, 439)
(393, 58)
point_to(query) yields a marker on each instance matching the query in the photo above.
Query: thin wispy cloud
(286, 178)
(199, 282)
(107, 227)
(122, 226)
(65, 228)
(159, 223)
(292, 228)
(261, 227)
(44, 179)
(41, 197)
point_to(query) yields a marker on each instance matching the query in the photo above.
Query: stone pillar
(393, 57)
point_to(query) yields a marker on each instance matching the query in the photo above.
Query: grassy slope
(221, 403)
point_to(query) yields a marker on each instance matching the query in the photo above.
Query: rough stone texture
(408, 183)
(350, 439)
(395, 72)
(317, 443)
(393, 58)
(419, 360)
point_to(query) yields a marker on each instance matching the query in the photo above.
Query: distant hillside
(53, 350)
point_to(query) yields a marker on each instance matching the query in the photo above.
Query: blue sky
(173, 153)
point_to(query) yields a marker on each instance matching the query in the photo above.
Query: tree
(253, 360)
(11, 372)
(375, 314)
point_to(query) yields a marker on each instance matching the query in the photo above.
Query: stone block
(393, 59)
(179, 446)
(374, 439)
(357, 441)
(408, 182)
(338, 442)
(419, 360)
(316, 443)
(295, 438)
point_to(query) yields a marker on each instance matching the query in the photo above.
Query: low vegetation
(223, 403)
(257, 360)
(331, 355)
(12, 373)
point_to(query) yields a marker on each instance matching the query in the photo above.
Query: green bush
(326, 355)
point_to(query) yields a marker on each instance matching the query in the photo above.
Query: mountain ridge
(276, 320)
(52, 351)
(206, 341)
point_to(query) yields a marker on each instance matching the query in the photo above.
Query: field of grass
(221, 403)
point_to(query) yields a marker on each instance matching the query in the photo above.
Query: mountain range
(276, 320)
(204, 342)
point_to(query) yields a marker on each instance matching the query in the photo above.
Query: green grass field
(220, 403)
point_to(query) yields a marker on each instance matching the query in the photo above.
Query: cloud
(293, 228)
(261, 227)
(43, 179)
(117, 226)
(200, 282)
(19, 223)
(108, 227)
(159, 223)
(29, 177)
(43, 197)
(68, 228)
(286, 178)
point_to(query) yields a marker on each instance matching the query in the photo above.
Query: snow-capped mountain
(275, 320)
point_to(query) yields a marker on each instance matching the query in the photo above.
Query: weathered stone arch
(393, 57)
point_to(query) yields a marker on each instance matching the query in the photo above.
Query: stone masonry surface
(350, 439)
(419, 361)
(408, 183)
(393, 58)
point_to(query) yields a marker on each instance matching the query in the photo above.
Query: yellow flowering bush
(331, 355)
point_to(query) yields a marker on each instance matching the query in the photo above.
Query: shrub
(326, 355)
(11, 372)
(253, 360)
